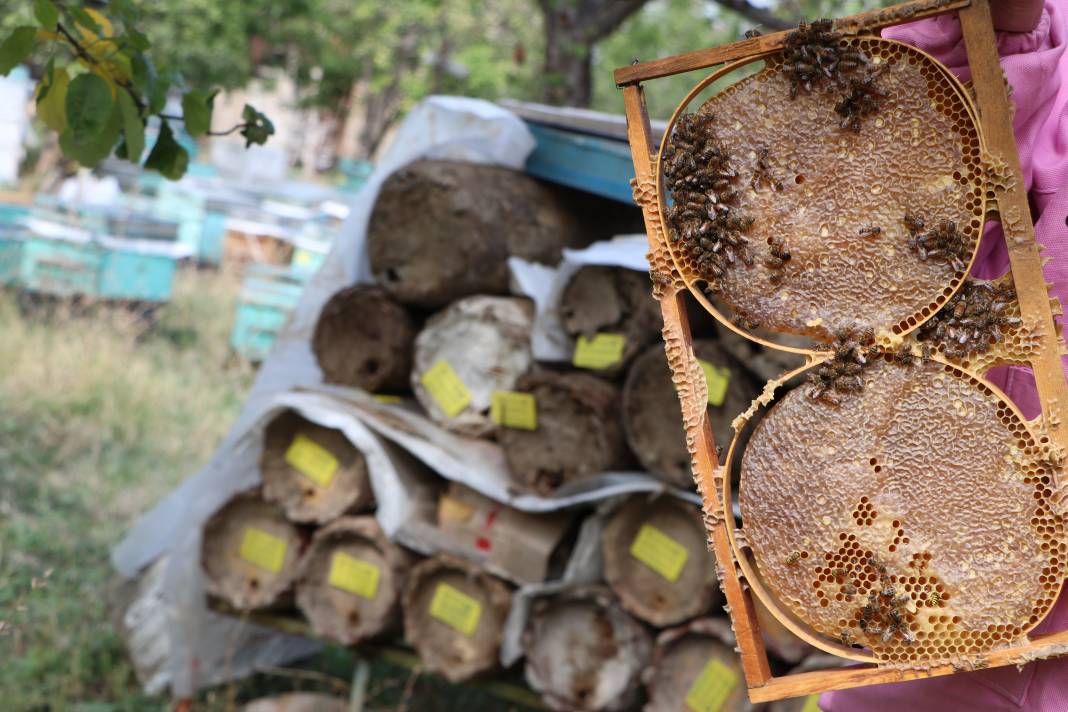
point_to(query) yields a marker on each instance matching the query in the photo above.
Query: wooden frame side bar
(703, 58)
(673, 308)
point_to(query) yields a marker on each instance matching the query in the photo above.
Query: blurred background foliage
(376, 59)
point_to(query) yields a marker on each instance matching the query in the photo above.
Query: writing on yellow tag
(312, 460)
(386, 398)
(446, 388)
(354, 575)
(712, 687)
(514, 410)
(600, 352)
(455, 609)
(659, 552)
(717, 378)
(263, 549)
(812, 704)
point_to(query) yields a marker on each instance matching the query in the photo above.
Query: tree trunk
(584, 652)
(580, 432)
(683, 586)
(364, 339)
(679, 659)
(351, 580)
(440, 230)
(454, 617)
(299, 475)
(249, 552)
(572, 28)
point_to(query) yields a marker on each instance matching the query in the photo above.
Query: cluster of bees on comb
(886, 613)
(705, 218)
(841, 373)
(942, 243)
(973, 320)
(814, 57)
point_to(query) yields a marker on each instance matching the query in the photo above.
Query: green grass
(100, 416)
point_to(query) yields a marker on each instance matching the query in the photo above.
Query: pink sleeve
(1035, 65)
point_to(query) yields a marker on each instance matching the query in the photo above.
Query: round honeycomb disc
(915, 522)
(836, 197)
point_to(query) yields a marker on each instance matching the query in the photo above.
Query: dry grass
(100, 415)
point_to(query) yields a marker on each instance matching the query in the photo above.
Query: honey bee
(846, 637)
(914, 223)
(934, 598)
(750, 34)
(793, 558)
(849, 590)
(870, 231)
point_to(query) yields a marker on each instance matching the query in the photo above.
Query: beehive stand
(1006, 201)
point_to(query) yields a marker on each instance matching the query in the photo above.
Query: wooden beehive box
(858, 572)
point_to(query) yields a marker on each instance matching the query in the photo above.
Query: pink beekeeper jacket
(1036, 66)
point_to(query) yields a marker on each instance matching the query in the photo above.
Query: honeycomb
(929, 533)
(794, 179)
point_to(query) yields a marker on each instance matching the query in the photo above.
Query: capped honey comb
(827, 222)
(913, 519)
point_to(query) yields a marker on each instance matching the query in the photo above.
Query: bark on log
(249, 552)
(611, 300)
(456, 636)
(363, 339)
(351, 579)
(308, 488)
(441, 230)
(584, 652)
(580, 432)
(656, 560)
(653, 420)
(486, 342)
(681, 656)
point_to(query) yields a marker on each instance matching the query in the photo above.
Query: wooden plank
(703, 58)
(845, 678)
(673, 307)
(995, 114)
(594, 164)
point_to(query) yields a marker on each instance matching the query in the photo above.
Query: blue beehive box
(269, 294)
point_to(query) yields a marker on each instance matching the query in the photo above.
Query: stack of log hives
(441, 329)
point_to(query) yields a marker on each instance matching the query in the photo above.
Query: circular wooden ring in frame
(832, 198)
(930, 532)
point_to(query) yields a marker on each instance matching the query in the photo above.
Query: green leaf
(84, 19)
(133, 128)
(91, 149)
(46, 13)
(196, 111)
(258, 128)
(89, 104)
(168, 157)
(138, 40)
(124, 8)
(16, 48)
(52, 101)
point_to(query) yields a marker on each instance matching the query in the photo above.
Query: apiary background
(493, 515)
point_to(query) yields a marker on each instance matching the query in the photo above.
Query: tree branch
(601, 18)
(758, 15)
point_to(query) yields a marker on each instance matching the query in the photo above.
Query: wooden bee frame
(1009, 205)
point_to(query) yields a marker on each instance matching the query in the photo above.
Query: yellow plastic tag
(717, 378)
(598, 353)
(312, 460)
(455, 609)
(386, 398)
(514, 410)
(659, 552)
(712, 687)
(353, 575)
(263, 549)
(812, 704)
(446, 388)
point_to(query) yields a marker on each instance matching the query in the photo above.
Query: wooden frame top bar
(703, 58)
